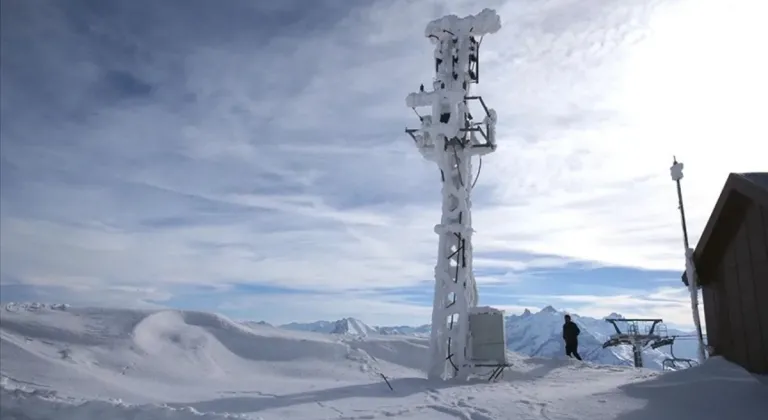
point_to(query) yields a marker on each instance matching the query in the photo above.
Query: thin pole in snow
(681, 207)
(677, 174)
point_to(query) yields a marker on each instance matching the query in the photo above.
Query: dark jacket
(571, 332)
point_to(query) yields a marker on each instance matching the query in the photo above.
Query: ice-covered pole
(690, 268)
(450, 136)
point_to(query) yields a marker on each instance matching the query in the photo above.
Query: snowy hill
(64, 363)
(539, 334)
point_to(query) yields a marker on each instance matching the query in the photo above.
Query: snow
(485, 22)
(69, 363)
(317, 326)
(676, 171)
(419, 331)
(346, 326)
(549, 310)
(352, 326)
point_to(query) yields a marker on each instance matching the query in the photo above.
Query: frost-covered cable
(479, 167)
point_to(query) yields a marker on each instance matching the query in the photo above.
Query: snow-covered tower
(450, 136)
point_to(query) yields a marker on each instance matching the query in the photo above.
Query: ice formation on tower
(451, 136)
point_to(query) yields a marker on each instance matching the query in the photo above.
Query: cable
(458, 170)
(479, 167)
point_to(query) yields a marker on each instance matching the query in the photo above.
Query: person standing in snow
(571, 333)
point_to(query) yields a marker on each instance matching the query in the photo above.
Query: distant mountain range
(534, 334)
(345, 326)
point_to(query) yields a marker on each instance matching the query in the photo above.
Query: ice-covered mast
(690, 269)
(451, 136)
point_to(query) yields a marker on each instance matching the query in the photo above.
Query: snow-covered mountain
(255, 323)
(540, 334)
(344, 326)
(317, 326)
(352, 326)
(533, 334)
(422, 330)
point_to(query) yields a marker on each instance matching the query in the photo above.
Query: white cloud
(592, 182)
(284, 162)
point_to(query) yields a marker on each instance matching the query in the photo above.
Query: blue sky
(248, 157)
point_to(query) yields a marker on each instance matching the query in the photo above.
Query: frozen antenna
(463, 335)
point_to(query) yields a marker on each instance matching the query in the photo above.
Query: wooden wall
(736, 301)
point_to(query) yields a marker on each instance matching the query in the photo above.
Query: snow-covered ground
(89, 363)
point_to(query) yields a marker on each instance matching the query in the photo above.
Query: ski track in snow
(89, 363)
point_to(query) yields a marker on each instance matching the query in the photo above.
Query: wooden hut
(731, 260)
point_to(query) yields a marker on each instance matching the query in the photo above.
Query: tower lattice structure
(451, 136)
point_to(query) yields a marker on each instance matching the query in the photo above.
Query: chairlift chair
(671, 362)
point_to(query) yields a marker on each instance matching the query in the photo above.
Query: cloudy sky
(248, 157)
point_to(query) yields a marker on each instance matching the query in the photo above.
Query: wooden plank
(750, 312)
(764, 213)
(757, 231)
(724, 334)
(711, 313)
(737, 346)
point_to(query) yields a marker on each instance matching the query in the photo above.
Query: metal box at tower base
(487, 336)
